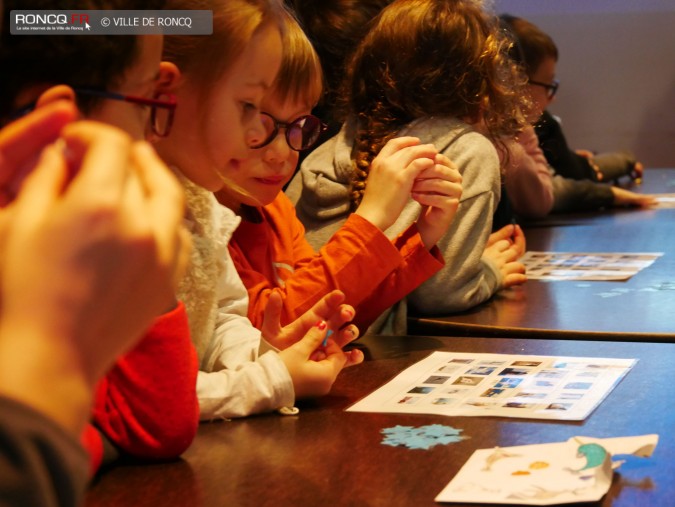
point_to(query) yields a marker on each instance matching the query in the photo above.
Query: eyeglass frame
(280, 124)
(551, 87)
(169, 104)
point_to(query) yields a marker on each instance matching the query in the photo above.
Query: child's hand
(329, 309)
(503, 249)
(438, 189)
(588, 155)
(623, 197)
(512, 233)
(315, 377)
(391, 178)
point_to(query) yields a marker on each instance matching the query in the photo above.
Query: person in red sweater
(51, 353)
(269, 248)
(146, 405)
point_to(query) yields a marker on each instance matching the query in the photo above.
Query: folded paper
(579, 470)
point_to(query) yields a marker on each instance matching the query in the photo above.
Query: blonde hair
(205, 59)
(235, 22)
(300, 79)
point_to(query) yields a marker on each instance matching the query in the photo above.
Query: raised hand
(92, 253)
(438, 189)
(329, 308)
(391, 178)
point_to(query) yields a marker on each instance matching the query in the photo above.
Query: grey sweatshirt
(321, 189)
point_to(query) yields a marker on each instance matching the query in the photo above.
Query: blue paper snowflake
(423, 437)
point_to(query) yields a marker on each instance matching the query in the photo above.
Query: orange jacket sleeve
(359, 260)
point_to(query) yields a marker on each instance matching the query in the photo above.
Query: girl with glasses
(449, 83)
(220, 81)
(269, 248)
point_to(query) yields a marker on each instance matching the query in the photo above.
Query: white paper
(579, 470)
(468, 384)
(585, 265)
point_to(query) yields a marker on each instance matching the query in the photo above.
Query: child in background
(145, 406)
(334, 27)
(269, 248)
(220, 82)
(575, 186)
(449, 98)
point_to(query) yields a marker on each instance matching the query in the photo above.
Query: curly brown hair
(427, 58)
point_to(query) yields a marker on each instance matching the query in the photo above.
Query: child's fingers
(398, 143)
(519, 240)
(354, 356)
(442, 171)
(345, 336)
(328, 305)
(514, 279)
(341, 315)
(418, 158)
(441, 159)
(272, 315)
(313, 339)
(438, 202)
(437, 186)
(505, 232)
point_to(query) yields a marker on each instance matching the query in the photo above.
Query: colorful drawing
(576, 471)
(497, 454)
(595, 455)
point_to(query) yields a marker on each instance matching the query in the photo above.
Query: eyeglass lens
(161, 118)
(301, 133)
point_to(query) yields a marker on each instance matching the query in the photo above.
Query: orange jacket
(372, 271)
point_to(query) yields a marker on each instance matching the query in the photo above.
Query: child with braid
(449, 83)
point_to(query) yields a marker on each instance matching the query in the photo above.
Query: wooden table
(328, 457)
(639, 308)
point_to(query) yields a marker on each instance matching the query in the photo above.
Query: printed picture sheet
(466, 384)
(585, 266)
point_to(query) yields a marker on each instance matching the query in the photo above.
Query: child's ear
(169, 77)
(55, 93)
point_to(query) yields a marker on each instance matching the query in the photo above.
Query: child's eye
(249, 109)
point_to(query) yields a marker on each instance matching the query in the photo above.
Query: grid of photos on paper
(511, 386)
(585, 266)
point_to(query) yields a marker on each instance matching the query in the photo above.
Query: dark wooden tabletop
(639, 308)
(329, 457)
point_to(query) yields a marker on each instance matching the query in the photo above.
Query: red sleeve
(93, 444)
(359, 260)
(147, 404)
